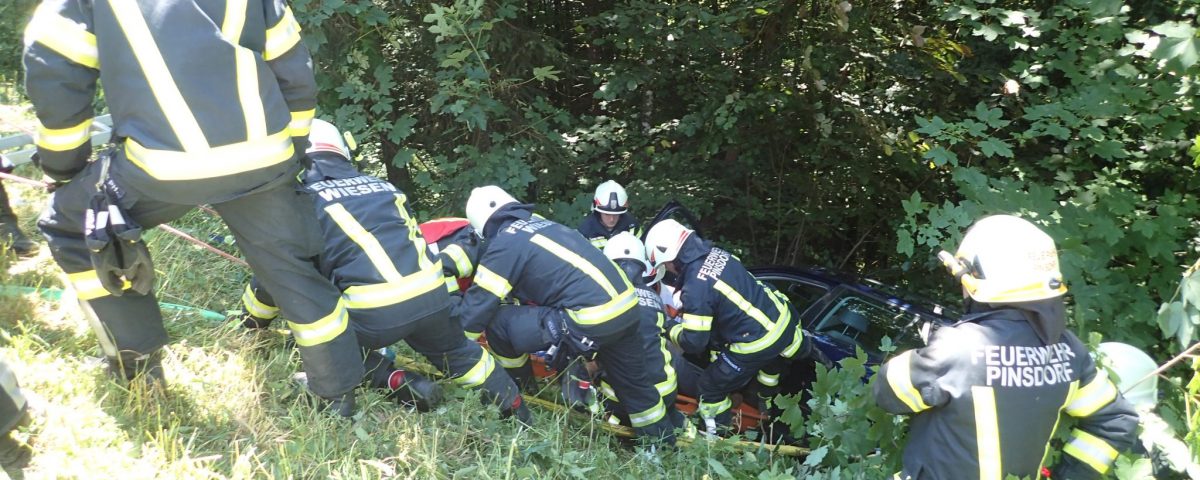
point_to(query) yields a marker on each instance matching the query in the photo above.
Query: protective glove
(118, 255)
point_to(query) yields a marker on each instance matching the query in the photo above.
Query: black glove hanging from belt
(564, 344)
(118, 253)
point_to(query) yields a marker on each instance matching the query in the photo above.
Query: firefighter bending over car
(609, 216)
(987, 391)
(583, 306)
(394, 287)
(211, 103)
(750, 328)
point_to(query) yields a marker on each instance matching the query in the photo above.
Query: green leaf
(401, 129)
(931, 127)
(403, 157)
(816, 455)
(987, 31)
(545, 73)
(993, 146)
(1179, 47)
(718, 468)
(1170, 317)
(1191, 290)
(904, 243)
(1110, 149)
(940, 156)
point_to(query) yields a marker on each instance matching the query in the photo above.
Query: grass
(231, 411)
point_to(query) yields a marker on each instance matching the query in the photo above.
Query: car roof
(888, 294)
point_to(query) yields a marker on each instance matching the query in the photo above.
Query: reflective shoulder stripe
(367, 242)
(162, 85)
(65, 36)
(987, 433)
(1089, 449)
(648, 416)
(323, 329)
(385, 294)
(63, 139)
(87, 285)
(492, 282)
(480, 372)
(215, 162)
(1093, 396)
(698, 323)
(899, 379)
(710, 410)
(462, 264)
(301, 123)
(256, 307)
(576, 261)
(282, 36)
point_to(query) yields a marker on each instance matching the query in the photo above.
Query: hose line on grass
(55, 294)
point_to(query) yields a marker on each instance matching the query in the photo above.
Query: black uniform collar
(1047, 317)
(505, 215)
(327, 165)
(694, 248)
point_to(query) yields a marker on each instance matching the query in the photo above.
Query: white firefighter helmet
(324, 137)
(664, 240)
(484, 201)
(1005, 259)
(626, 245)
(1131, 366)
(610, 198)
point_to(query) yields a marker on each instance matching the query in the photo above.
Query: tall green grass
(231, 410)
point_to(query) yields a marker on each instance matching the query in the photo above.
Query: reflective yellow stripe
(605, 312)
(451, 285)
(608, 391)
(461, 263)
(599, 242)
(674, 333)
(774, 329)
(768, 379)
(671, 384)
(492, 282)
(367, 242)
(710, 410)
(901, 382)
(391, 293)
(63, 139)
(479, 373)
(765, 341)
(214, 162)
(323, 330)
(576, 261)
(414, 234)
(248, 95)
(65, 36)
(162, 86)
(699, 323)
(1091, 450)
(744, 305)
(648, 416)
(507, 362)
(1046, 450)
(1092, 397)
(87, 285)
(987, 433)
(301, 123)
(234, 21)
(257, 308)
(797, 341)
(282, 37)
(473, 336)
(1017, 294)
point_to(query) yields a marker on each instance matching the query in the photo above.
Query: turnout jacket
(724, 308)
(547, 264)
(986, 393)
(651, 319)
(455, 244)
(198, 90)
(594, 231)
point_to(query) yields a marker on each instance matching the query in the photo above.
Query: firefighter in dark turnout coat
(393, 285)
(986, 392)
(211, 103)
(582, 304)
(610, 215)
(752, 328)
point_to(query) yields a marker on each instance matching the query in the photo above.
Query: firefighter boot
(412, 388)
(519, 411)
(131, 366)
(12, 237)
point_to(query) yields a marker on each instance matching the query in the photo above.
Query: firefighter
(583, 306)
(393, 285)
(986, 392)
(610, 215)
(211, 103)
(750, 329)
(14, 413)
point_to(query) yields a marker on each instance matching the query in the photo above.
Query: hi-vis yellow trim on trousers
(87, 285)
(648, 416)
(162, 85)
(899, 379)
(282, 37)
(768, 379)
(70, 39)
(711, 410)
(301, 123)
(63, 139)
(324, 329)
(1089, 449)
(987, 433)
(215, 162)
(256, 308)
(1093, 396)
(479, 373)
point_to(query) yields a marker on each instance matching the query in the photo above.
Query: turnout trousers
(275, 229)
(628, 360)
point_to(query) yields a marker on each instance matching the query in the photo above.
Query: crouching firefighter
(751, 328)
(987, 391)
(211, 103)
(394, 288)
(583, 304)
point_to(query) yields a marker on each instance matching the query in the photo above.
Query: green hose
(55, 294)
